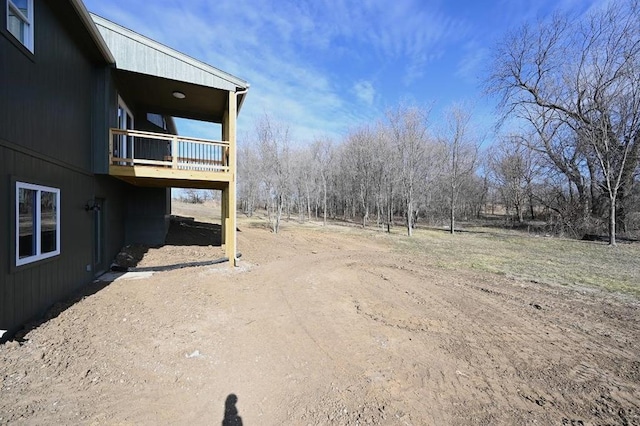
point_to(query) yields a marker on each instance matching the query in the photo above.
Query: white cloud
(295, 54)
(364, 91)
(474, 58)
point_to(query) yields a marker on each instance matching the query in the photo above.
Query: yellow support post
(224, 204)
(229, 195)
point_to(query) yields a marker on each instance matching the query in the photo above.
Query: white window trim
(37, 229)
(28, 19)
(125, 140)
(122, 104)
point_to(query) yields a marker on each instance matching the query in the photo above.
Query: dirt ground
(324, 327)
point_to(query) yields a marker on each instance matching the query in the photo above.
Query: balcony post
(110, 147)
(229, 194)
(174, 152)
(224, 203)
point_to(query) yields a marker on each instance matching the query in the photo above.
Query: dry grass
(548, 260)
(206, 212)
(540, 259)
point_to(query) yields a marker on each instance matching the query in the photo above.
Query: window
(157, 119)
(20, 21)
(124, 145)
(37, 222)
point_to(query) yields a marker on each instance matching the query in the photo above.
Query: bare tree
(384, 176)
(273, 147)
(359, 150)
(249, 177)
(322, 154)
(514, 168)
(303, 181)
(408, 131)
(609, 74)
(578, 82)
(460, 149)
(193, 196)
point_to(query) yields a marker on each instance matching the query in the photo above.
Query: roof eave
(170, 52)
(86, 19)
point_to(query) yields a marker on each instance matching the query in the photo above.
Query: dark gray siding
(56, 106)
(104, 117)
(49, 113)
(114, 193)
(150, 149)
(148, 209)
(46, 97)
(147, 215)
(26, 291)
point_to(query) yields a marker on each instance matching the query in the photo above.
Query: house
(89, 148)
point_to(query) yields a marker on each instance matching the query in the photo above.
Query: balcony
(165, 160)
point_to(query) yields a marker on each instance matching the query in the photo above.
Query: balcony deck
(165, 160)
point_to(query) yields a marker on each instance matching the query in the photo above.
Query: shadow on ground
(57, 308)
(180, 265)
(231, 417)
(185, 231)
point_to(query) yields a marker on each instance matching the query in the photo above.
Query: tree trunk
(612, 221)
(452, 218)
(533, 214)
(279, 208)
(389, 213)
(324, 201)
(409, 218)
(288, 211)
(452, 211)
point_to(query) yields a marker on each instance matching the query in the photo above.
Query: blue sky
(326, 66)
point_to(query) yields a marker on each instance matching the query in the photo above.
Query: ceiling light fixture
(179, 95)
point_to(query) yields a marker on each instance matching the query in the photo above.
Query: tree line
(395, 169)
(569, 87)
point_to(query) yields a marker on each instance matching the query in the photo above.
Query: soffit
(145, 93)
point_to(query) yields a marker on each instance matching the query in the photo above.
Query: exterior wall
(113, 192)
(104, 116)
(150, 149)
(49, 118)
(57, 105)
(27, 291)
(148, 209)
(147, 215)
(48, 98)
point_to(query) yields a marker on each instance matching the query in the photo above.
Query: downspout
(239, 93)
(235, 167)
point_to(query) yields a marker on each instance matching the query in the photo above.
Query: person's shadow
(231, 417)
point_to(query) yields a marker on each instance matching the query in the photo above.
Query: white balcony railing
(138, 148)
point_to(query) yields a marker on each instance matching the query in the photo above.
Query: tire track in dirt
(505, 348)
